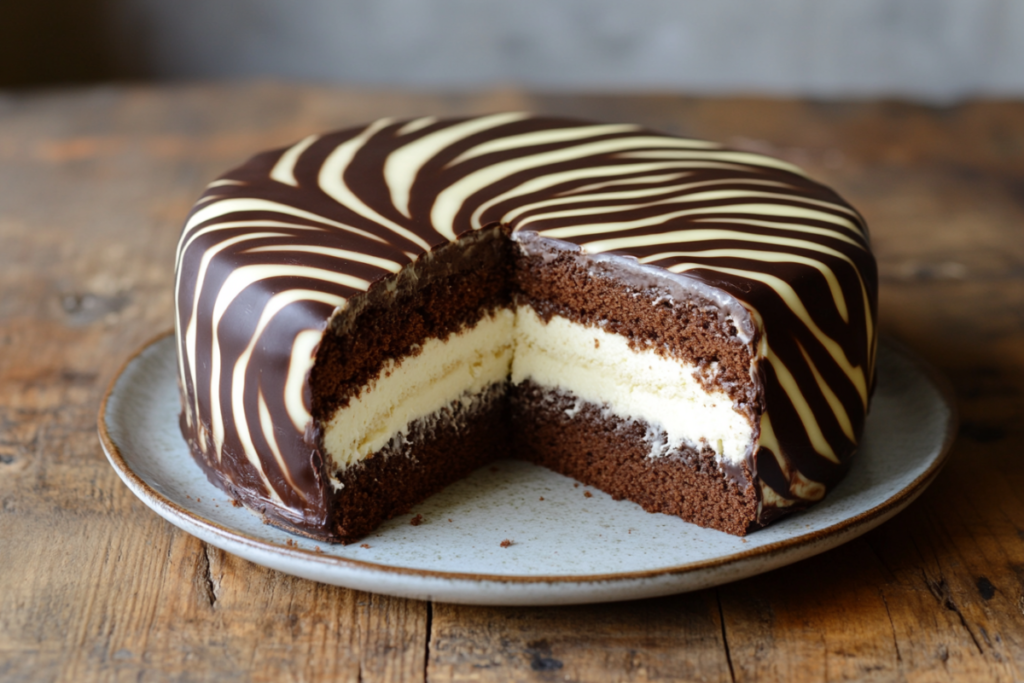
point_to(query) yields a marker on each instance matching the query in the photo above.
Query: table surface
(94, 185)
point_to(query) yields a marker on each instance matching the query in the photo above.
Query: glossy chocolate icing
(296, 239)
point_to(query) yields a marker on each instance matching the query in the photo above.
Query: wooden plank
(674, 638)
(821, 619)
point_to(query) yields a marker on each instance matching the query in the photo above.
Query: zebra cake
(369, 315)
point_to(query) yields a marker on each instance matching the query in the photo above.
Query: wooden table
(94, 185)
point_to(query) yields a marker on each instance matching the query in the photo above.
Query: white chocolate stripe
(284, 169)
(198, 293)
(792, 227)
(234, 285)
(550, 180)
(745, 158)
(868, 320)
(771, 442)
(228, 226)
(803, 409)
(209, 255)
(303, 353)
(801, 489)
(451, 199)
(623, 226)
(246, 204)
(620, 182)
(546, 137)
(830, 397)
(708, 235)
(417, 125)
(793, 301)
(358, 257)
(204, 264)
(267, 427)
(403, 165)
(771, 257)
(276, 304)
(701, 235)
(710, 196)
(672, 190)
(332, 182)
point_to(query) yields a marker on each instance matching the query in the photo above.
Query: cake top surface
(273, 248)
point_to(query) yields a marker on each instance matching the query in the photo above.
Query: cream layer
(457, 368)
(595, 366)
(599, 367)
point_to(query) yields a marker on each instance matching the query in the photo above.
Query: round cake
(369, 315)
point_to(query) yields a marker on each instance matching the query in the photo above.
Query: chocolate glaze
(305, 238)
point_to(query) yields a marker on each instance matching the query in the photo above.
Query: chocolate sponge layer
(612, 454)
(440, 450)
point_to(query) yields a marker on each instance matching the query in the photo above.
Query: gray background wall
(936, 50)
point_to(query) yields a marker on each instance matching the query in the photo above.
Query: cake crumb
(199, 500)
(597, 344)
(364, 545)
(289, 542)
(576, 486)
(542, 497)
(506, 543)
(316, 549)
(449, 519)
(417, 520)
(235, 503)
(588, 494)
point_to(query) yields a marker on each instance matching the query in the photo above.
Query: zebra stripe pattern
(275, 248)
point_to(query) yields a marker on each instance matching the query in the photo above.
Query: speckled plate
(566, 546)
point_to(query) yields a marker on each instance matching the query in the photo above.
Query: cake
(367, 316)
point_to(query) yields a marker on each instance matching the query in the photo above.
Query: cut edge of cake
(500, 341)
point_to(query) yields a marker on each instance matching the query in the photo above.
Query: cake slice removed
(482, 351)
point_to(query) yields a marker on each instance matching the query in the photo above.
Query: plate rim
(902, 498)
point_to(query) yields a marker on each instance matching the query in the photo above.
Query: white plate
(567, 548)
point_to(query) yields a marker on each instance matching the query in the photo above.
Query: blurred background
(936, 51)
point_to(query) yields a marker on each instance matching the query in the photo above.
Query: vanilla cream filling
(595, 366)
(458, 367)
(599, 367)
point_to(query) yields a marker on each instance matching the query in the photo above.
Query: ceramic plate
(566, 547)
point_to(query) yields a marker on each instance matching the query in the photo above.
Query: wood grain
(94, 184)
